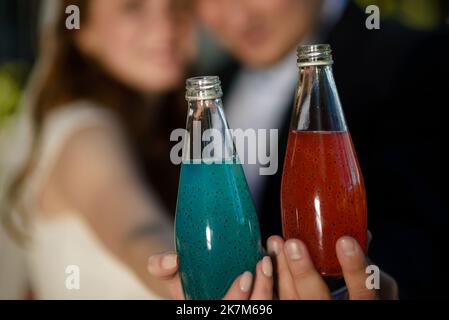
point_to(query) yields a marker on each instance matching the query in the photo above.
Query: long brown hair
(70, 76)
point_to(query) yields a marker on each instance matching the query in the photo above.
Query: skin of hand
(165, 267)
(297, 278)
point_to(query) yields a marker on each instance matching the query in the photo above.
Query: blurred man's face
(259, 32)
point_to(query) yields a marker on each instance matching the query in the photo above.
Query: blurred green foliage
(421, 14)
(12, 77)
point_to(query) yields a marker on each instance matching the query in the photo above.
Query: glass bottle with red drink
(323, 195)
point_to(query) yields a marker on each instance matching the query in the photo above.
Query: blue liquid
(217, 230)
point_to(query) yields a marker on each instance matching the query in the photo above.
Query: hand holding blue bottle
(245, 286)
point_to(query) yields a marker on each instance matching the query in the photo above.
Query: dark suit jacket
(394, 88)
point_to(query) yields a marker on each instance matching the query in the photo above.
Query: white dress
(65, 259)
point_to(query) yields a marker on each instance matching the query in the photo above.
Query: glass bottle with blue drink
(217, 230)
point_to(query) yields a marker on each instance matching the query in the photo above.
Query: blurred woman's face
(259, 32)
(145, 44)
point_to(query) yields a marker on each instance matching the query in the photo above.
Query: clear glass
(217, 229)
(208, 137)
(323, 194)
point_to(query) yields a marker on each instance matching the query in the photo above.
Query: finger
(353, 265)
(165, 267)
(285, 287)
(308, 282)
(389, 288)
(241, 288)
(263, 285)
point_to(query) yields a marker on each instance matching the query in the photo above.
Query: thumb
(164, 267)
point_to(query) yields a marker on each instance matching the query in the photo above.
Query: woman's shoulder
(79, 114)
(75, 119)
(81, 127)
(72, 119)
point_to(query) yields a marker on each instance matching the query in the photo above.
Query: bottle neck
(203, 88)
(201, 108)
(317, 104)
(209, 137)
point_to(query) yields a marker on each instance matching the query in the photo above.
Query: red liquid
(323, 195)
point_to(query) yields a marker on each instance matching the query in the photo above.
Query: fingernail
(273, 248)
(348, 246)
(246, 281)
(293, 250)
(169, 261)
(267, 267)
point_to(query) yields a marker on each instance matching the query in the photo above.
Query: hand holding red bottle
(298, 279)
